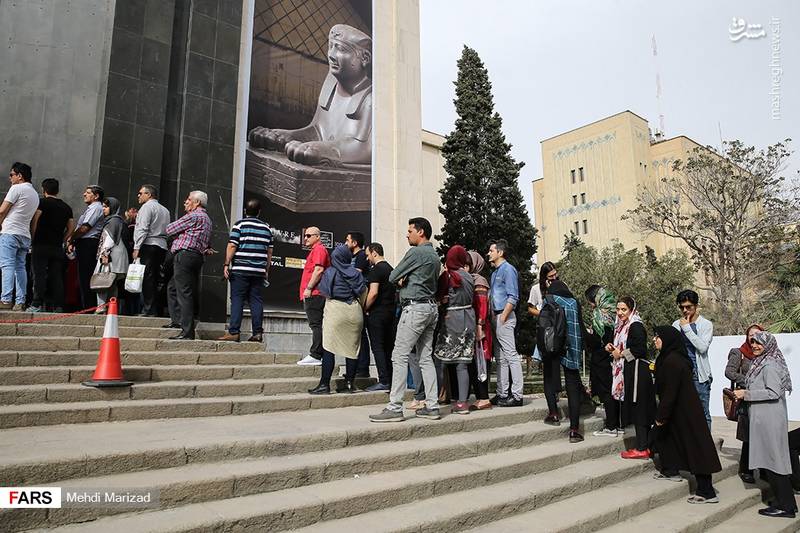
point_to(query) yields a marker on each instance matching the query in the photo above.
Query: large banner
(309, 152)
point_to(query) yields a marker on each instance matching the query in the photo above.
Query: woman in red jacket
(480, 370)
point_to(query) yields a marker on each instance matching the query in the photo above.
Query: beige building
(591, 177)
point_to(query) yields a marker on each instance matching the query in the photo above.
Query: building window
(572, 175)
(574, 199)
(583, 198)
(585, 226)
(577, 228)
(580, 171)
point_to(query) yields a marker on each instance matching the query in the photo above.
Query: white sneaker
(309, 361)
(605, 432)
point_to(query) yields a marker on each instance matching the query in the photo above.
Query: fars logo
(30, 497)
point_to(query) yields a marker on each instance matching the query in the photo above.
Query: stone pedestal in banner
(302, 189)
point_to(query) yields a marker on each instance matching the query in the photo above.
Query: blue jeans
(704, 391)
(246, 288)
(13, 250)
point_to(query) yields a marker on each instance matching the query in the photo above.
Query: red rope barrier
(53, 317)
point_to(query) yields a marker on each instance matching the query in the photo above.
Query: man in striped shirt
(247, 261)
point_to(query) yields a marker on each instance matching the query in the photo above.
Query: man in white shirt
(16, 213)
(150, 244)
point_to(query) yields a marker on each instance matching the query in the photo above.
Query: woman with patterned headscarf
(455, 344)
(739, 361)
(603, 306)
(766, 384)
(481, 370)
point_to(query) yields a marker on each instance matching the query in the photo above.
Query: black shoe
(182, 337)
(320, 389)
(775, 513)
(509, 401)
(171, 326)
(494, 399)
(378, 387)
(747, 477)
(552, 420)
(348, 386)
(574, 436)
(256, 338)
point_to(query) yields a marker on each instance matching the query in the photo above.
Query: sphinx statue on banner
(340, 134)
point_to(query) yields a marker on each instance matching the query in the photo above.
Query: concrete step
(211, 388)
(678, 515)
(479, 485)
(748, 520)
(68, 358)
(33, 375)
(71, 330)
(41, 455)
(603, 507)
(459, 510)
(54, 344)
(45, 414)
(200, 483)
(84, 320)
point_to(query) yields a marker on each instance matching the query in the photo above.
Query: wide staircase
(224, 438)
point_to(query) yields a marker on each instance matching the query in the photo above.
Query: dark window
(585, 226)
(574, 199)
(580, 171)
(577, 228)
(583, 198)
(572, 175)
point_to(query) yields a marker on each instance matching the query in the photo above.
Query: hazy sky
(557, 65)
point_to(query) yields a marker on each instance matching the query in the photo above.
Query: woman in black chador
(682, 438)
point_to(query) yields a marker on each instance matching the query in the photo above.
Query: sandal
(699, 499)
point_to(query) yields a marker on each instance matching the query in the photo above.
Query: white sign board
(789, 343)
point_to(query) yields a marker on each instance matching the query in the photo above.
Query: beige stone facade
(590, 179)
(407, 163)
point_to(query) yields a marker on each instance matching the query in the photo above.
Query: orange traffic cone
(108, 372)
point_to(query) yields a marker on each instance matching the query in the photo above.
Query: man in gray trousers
(504, 297)
(416, 275)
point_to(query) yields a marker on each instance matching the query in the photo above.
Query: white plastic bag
(133, 281)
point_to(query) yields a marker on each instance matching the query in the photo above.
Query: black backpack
(551, 330)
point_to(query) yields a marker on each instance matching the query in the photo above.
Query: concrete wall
(54, 69)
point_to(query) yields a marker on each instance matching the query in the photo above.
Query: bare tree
(732, 211)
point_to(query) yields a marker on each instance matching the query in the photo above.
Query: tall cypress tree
(481, 199)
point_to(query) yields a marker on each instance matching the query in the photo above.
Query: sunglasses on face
(309, 235)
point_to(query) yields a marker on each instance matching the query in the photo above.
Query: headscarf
(622, 327)
(559, 288)
(478, 265)
(745, 348)
(603, 312)
(342, 281)
(672, 342)
(114, 224)
(771, 352)
(455, 260)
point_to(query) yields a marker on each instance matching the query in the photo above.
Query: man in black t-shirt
(381, 309)
(355, 242)
(52, 226)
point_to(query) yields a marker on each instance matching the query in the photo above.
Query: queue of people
(93, 254)
(443, 324)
